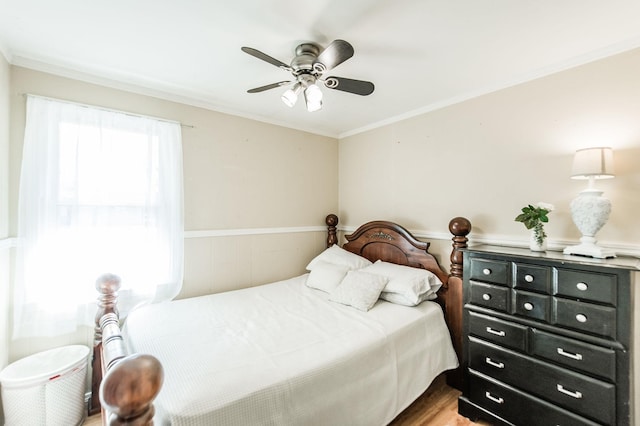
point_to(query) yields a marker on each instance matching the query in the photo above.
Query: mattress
(283, 354)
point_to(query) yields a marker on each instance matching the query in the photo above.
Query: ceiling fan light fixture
(290, 97)
(308, 67)
(313, 97)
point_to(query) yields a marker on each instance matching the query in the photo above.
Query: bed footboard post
(131, 382)
(460, 228)
(108, 286)
(332, 222)
(123, 387)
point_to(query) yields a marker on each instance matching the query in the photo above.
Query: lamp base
(588, 247)
(590, 212)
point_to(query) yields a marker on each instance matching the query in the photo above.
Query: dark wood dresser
(547, 338)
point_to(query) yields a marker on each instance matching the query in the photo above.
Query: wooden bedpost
(129, 388)
(123, 387)
(108, 286)
(460, 228)
(332, 222)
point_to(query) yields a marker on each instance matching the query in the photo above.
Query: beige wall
(238, 173)
(487, 157)
(256, 194)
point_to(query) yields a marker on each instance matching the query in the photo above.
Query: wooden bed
(126, 384)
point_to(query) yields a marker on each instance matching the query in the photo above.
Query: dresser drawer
(501, 332)
(533, 278)
(594, 319)
(491, 271)
(511, 404)
(493, 361)
(576, 392)
(587, 286)
(491, 296)
(533, 305)
(592, 359)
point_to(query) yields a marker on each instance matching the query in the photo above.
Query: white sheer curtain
(100, 191)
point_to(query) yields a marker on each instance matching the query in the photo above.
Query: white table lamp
(590, 210)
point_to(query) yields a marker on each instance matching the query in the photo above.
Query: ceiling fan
(308, 67)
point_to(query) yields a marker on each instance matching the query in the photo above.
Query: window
(100, 191)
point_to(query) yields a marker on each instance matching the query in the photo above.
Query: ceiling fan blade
(333, 55)
(268, 86)
(359, 87)
(273, 61)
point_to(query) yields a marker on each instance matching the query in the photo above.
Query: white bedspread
(282, 354)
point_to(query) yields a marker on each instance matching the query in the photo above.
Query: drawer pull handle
(528, 278)
(486, 296)
(486, 271)
(577, 357)
(582, 286)
(576, 394)
(493, 363)
(495, 399)
(528, 306)
(581, 318)
(496, 332)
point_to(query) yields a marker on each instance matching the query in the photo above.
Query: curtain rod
(131, 114)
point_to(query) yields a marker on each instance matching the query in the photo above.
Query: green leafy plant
(534, 217)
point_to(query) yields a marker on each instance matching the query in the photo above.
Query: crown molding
(524, 78)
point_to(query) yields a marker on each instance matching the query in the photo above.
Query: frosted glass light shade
(290, 97)
(313, 98)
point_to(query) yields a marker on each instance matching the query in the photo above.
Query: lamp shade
(594, 163)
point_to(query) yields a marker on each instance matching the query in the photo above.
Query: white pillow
(326, 276)
(400, 299)
(359, 289)
(339, 256)
(413, 284)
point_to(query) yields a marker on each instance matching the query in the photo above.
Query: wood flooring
(438, 406)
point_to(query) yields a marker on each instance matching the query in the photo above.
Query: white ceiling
(420, 54)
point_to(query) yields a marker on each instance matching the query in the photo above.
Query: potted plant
(534, 218)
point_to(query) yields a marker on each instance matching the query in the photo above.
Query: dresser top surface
(623, 262)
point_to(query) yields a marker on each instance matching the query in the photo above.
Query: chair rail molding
(252, 231)
(621, 249)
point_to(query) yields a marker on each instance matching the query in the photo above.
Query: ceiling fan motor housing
(306, 53)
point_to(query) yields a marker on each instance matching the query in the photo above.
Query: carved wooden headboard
(390, 242)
